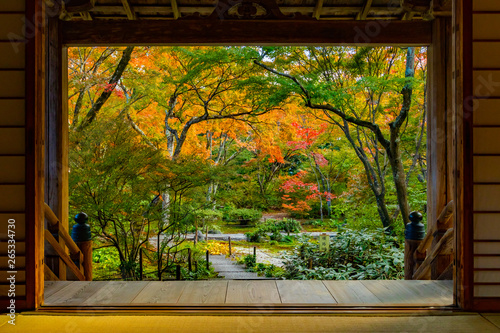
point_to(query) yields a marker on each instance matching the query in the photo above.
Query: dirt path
(263, 256)
(275, 215)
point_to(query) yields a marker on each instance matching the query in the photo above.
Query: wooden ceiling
(341, 10)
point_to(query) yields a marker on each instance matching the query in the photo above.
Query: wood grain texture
(351, 292)
(304, 292)
(75, 292)
(51, 287)
(462, 127)
(204, 292)
(116, 292)
(405, 292)
(244, 32)
(164, 292)
(252, 292)
(255, 292)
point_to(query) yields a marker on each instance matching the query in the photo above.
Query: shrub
(244, 215)
(353, 255)
(255, 236)
(269, 270)
(274, 228)
(249, 261)
(289, 225)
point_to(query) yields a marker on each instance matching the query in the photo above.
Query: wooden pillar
(56, 139)
(438, 103)
(462, 89)
(441, 152)
(86, 248)
(410, 263)
(35, 83)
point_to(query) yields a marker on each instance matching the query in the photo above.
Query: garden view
(175, 149)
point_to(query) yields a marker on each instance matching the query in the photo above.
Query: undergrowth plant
(353, 255)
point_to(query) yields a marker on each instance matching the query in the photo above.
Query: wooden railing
(430, 256)
(79, 259)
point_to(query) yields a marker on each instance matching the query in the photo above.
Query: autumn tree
(112, 179)
(352, 88)
(94, 74)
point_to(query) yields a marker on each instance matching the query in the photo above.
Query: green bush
(208, 214)
(200, 273)
(254, 236)
(274, 228)
(353, 255)
(249, 261)
(244, 215)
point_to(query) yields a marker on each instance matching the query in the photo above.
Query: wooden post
(178, 272)
(310, 263)
(441, 157)
(208, 260)
(230, 251)
(82, 237)
(441, 263)
(140, 264)
(86, 248)
(189, 260)
(255, 253)
(414, 234)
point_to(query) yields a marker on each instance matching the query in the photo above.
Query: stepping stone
(229, 270)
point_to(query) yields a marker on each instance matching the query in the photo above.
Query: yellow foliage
(217, 248)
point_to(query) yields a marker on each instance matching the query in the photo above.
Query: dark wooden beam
(241, 32)
(128, 9)
(317, 9)
(363, 13)
(175, 9)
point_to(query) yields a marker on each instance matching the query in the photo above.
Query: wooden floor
(248, 292)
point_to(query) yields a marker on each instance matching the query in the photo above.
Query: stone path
(240, 237)
(230, 270)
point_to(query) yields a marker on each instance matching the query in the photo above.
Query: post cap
(81, 218)
(81, 230)
(415, 230)
(415, 216)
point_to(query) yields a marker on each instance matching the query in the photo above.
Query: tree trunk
(399, 177)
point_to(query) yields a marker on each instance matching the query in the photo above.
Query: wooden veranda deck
(249, 292)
